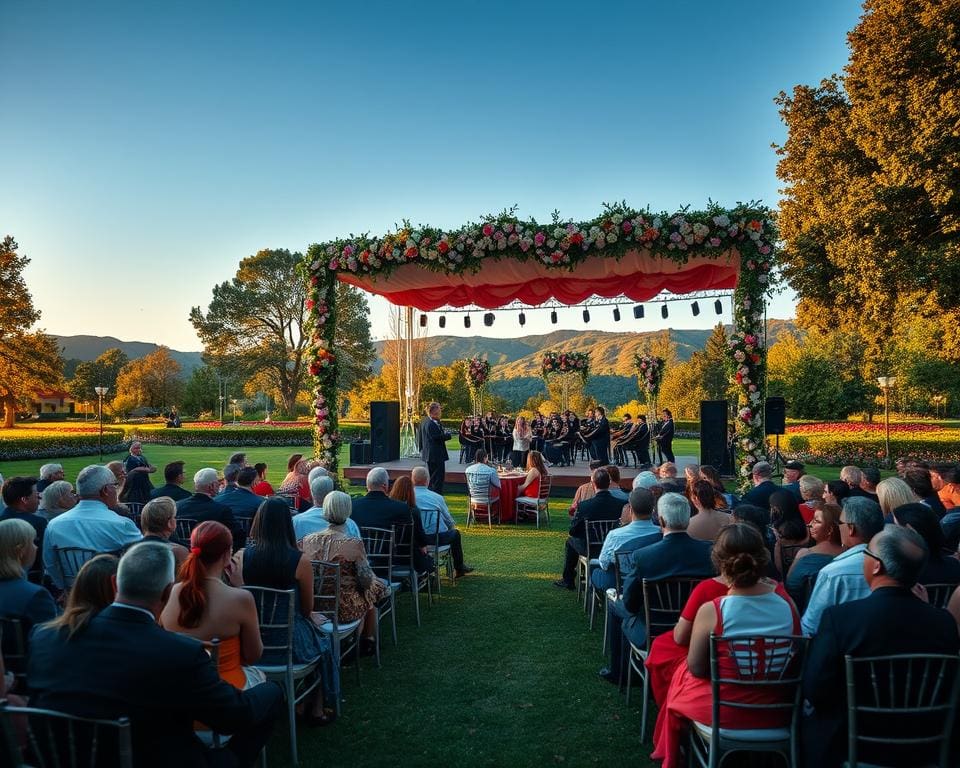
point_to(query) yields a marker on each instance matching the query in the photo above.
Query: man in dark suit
(201, 507)
(676, 555)
(21, 502)
(243, 502)
(599, 437)
(377, 510)
(433, 447)
(173, 487)
(641, 439)
(892, 620)
(124, 665)
(763, 486)
(665, 437)
(603, 506)
(792, 472)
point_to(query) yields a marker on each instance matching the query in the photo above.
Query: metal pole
(886, 419)
(100, 436)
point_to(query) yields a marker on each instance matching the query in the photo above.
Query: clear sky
(147, 147)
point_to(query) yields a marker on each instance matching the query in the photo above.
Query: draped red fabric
(638, 276)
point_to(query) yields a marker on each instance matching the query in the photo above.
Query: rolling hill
(86, 348)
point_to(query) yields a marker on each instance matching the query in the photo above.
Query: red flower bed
(217, 424)
(851, 427)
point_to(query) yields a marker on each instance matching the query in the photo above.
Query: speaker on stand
(713, 435)
(775, 423)
(384, 431)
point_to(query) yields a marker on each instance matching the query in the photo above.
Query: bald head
(420, 476)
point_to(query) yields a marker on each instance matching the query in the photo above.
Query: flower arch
(621, 252)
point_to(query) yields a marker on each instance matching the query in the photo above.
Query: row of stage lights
(638, 313)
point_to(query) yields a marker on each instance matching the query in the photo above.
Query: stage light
(664, 311)
(522, 319)
(466, 321)
(616, 314)
(638, 312)
(718, 306)
(553, 317)
(488, 319)
(586, 315)
(423, 321)
(443, 321)
(695, 308)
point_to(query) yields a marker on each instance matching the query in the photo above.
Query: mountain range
(86, 348)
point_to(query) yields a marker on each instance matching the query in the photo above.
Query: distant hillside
(86, 348)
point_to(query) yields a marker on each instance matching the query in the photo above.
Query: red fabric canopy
(638, 276)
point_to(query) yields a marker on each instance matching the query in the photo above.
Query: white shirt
(313, 521)
(480, 477)
(839, 581)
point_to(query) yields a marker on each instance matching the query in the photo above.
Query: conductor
(433, 447)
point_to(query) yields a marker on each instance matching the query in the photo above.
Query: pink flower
(488, 229)
(627, 227)
(539, 238)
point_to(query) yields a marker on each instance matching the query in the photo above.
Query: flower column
(323, 363)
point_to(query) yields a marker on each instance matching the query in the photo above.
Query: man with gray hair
(433, 447)
(763, 486)
(312, 520)
(49, 473)
(677, 554)
(91, 524)
(201, 507)
(437, 520)
(230, 474)
(841, 580)
(123, 664)
(640, 531)
(865, 627)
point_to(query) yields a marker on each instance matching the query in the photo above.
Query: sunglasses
(876, 557)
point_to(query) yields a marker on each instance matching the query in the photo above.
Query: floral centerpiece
(748, 357)
(478, 373)
(554, 363)
(650, 372)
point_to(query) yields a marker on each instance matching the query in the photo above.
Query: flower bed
(867, 447)
(225, 436)
(852, 427)
(53, 443)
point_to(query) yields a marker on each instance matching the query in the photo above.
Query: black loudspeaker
(775, 416)
(360, 453)
(713, 434)
(384, 431)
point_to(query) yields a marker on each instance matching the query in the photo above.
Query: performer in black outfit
(665, 437)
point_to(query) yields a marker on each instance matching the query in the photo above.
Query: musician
(619, 439)
(468, 437)
(586, 426)
(554, 441)
(642, 440)
(665, 437)
(599, 437)
(502, 439)
(538, 427)
(573, 434)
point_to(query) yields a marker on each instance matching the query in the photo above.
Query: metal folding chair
(345, 636)
(379, 545)
(596, 531)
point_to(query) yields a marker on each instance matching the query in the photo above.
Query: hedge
(869, 449)
(224, 436)
(34, 444)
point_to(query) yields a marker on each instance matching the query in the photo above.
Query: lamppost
(886, 384)
(220, 398)
(233, 402)
(101, 391)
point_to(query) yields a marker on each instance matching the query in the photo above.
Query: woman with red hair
(203, 606)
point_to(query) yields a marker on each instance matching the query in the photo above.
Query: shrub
(868, 447)
(224, 436)
(54, 443)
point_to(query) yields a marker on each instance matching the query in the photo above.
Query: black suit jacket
(760, 495)
(603, 506)
(677, 554)
(377, 510)
(201, 508)
(891, 621)
(123, 664)
(666, 433)
(433, 442)
(174, 491)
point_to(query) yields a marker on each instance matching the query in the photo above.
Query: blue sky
(148, 147)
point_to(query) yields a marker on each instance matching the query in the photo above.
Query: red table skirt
(508, 497)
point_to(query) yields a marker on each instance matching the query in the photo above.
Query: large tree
(256, 321)
(101, 372)
(153, 381)
(871, 212)
(28, 360)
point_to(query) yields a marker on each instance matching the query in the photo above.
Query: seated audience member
(90, 524)
(615, 490)
(435, 516)
(836, 492)
(19, 598)
(239, 458)
(951, 530)
(163, 688)
(173, 483)
(529, 489)
(603, 506)
(313, 520)
(229, 485)
(21, 502)
(116, 467)
(789, 528)
(645, 479)
(203, 606)
(200, 506)
(243, 502)
(691, 473)
(57, 498)
(752, 606)
(377, 509)
(158, 522)
(842, 580)
(93, 590)
(922, 487)
(869, 477)
(825, 534)
(360, 589)
(940, 567)
(667, 472)
(712, 476)
(639, 531)
(677, 554)
(859, 628)
(893, 492)
(296, 483)
(273, 560)
(49, 473)
(792, 474)
(707, 523)
(585, 491)
(316, 470)
(945, 479)
(262, 487)
(852, 476)
(811, 490)
(402, 491)
(763, 486)
(482, 479)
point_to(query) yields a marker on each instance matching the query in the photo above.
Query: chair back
(940, 594)
(788, 553)
(326, 590)
(478, 487)
(135, 508)
(596, 531)
(185, 526)
(55, 739)
(379, 545)
(403, 545)
(545, 482)
(13, 645)
(622, 562)
(663, 601)
(293, 501)
(69, 561)
(897, 704)
(275, 614)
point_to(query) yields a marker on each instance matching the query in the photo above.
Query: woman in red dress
(753, 605)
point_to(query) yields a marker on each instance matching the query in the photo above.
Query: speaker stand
(408, 442)
(777, 459)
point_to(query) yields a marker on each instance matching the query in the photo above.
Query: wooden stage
(566, 480)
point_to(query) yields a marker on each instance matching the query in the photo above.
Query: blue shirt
(91, 525)
(479, 479)
(618, 537)
(433, 506)
(839, 581)
(313, 521)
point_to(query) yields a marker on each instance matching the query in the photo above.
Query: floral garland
(565, 362)
(650, 370)
(321, 305)
(562, 245)
(478, 371)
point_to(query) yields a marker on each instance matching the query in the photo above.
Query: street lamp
(886, 384)
(101, 391)
(220, 398)
(233, 402)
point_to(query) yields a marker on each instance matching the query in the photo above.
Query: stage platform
(566, 480)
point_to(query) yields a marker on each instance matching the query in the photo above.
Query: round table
(508, 495)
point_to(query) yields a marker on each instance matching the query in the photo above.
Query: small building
(53, 401)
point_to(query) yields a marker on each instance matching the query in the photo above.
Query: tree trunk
(289, 397)
(9, 411)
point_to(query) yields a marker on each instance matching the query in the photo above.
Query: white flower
(657, 223)
(617, 218)
(722, 220)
